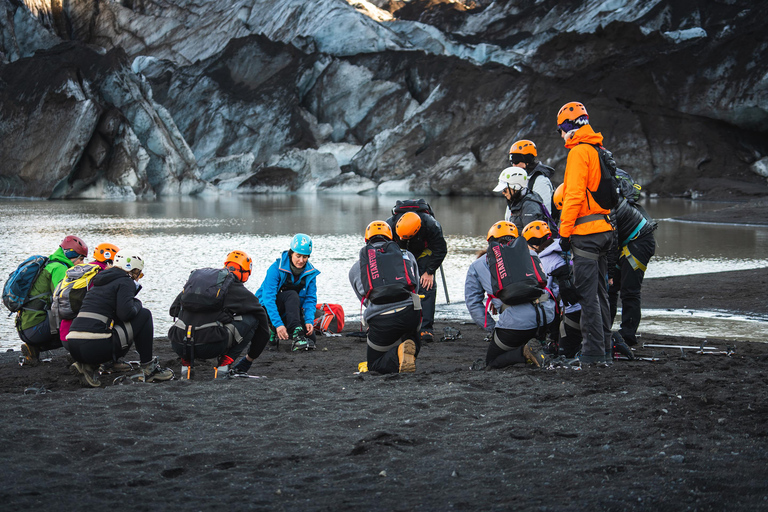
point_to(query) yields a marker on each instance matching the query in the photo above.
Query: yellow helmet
(502, 228)
(378, 227)
(408, 225)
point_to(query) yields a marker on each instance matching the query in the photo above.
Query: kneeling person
(385, 279)
(217, 317)
(111, 320)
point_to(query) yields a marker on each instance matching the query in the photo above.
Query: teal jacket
(277, 274)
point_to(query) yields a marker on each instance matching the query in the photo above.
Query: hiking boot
(114, 367)
(426, 336)
(298, 345)
(273, 345)
(30, 354)
(596, 361)
(406, 355)
(311, 344)
(534, 354)
(620, 347)
(478, 365)
(154, 373)
(88, 374)
(242, 366)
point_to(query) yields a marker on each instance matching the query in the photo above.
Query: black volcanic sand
(685, 432)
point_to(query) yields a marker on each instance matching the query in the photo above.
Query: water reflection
(179, 235)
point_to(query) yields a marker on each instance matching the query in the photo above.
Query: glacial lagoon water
(180, 234)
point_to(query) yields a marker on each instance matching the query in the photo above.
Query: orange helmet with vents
(557, 197)
(572, 115)
(378, 227)
(105, 252)
(239, 263)
(536, 229)
(522, 151)
(408, 225)
(501, 229)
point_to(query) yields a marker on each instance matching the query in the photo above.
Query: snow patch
(395, 188)
(678, 36)
(761, 167)
(342, 151)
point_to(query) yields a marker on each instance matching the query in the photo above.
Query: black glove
(564, 278)
(565, 244)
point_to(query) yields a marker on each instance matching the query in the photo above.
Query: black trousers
(385, 333)
(247, 327)
(429, 300)
(289, 307)
(627, 283)
(570, 344)
(111, 349)
(511, 349)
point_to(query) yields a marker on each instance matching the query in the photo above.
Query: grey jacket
(519, 318)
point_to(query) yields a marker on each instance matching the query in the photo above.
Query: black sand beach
(687, 432)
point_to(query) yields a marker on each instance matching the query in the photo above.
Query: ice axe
(445, 285)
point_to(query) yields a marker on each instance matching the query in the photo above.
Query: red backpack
(329, 318)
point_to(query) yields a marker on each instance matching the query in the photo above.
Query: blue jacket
(276, 276)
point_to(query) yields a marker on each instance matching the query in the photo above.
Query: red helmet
(73, 246)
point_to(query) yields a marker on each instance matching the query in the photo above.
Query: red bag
(329, 318)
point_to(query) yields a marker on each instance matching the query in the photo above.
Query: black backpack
(628, 189)
(516, 274)
(206, 289)
(412, 205)
(386, 273)
(607, 193)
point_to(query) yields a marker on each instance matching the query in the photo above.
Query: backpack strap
(585, 254)
(591, 218)
(96, 316)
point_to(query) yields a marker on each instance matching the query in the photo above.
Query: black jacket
(525, 209)
(627, 219)
(113, 295)
(430, 236)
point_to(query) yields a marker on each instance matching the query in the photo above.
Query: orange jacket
(582, 172)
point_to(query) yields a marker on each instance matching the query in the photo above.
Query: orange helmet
(500, 229)
(537, 229)
(378, 227)
(239, 263)
(557, 197)
(408, 225)
(105, 252)
(522, 151)
(572, 115)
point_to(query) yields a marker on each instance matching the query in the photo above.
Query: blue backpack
(20, 281)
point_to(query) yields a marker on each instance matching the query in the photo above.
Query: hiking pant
(139, 331)
(385, 333)
(291, 313)
(570, 334)
(260, 336)
(590, 262)
(506, 347)
(232, 345)
(40, 337)
(627, 282)
(430, 297)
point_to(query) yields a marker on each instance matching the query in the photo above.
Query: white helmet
(129, 259)
(512, 177)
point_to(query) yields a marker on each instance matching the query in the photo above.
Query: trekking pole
(445, 285)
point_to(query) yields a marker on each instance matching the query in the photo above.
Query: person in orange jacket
(586, 229)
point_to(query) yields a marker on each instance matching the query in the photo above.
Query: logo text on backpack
(500, 262)
(373, 265)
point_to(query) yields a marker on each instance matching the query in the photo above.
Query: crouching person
(385, 279)
(111, 320)
(514, 282)
(217, 317)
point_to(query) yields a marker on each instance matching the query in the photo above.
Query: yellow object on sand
(362, 367)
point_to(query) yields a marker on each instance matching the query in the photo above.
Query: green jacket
(46, 283)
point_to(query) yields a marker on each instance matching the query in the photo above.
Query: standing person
(34, 321)
(635, 246)
(523, 205)
(289, 294)
(111, 320)
(419, 233)
(385, 279)
(555, 263)
(223, 315)
(585, 227)
(523, 154)
(515, 335)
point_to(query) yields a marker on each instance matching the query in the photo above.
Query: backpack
(20, 281)
(628, 189)
(386, 274)
(70, 292)
(412, 205)
(516, 275)
(329, 318)
(206, 289)
(607, 193)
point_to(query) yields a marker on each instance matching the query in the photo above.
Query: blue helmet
(301, 244)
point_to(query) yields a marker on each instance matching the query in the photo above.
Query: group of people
(581, 255)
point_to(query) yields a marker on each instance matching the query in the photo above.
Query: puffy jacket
(46, 283)
(112, 295)
(582, 173)
(277, 275)
(525, 210)
(238, 301)
(519, 318)
(630, 222)
(428, 245)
